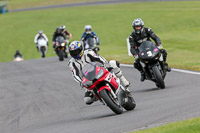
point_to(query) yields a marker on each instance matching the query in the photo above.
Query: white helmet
(88, 27)
(62, 27)
(40, 31)
(138, 23)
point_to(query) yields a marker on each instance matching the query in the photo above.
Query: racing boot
(142, 76)
(166, 67)
(89, 98)
(124, 81)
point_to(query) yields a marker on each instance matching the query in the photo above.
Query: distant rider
(39, 35)
(139, 35)
(89, 34)
(66, 32)
(57, 33)
(81, 58)
(17, 54)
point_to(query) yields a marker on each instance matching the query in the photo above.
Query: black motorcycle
(151, 61)
(61, 48)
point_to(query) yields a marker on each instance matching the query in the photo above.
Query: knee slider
(114, 64)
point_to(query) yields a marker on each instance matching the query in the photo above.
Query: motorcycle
(151, 61)
(61, 48)
(106, 87)
(91, 43)
(42, 46)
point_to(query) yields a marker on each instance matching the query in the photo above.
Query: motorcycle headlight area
(62, 44)
(88, 83)
(100, 74)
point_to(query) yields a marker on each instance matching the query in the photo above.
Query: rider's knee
(114, 64)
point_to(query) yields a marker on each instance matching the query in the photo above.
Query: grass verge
(187, 126)
(176, 23)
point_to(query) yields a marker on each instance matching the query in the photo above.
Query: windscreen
(147, 50)
(60, 39)
(147, 46)
(89, 70)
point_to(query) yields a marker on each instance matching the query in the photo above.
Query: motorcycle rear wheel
(112, 103)
(43, 54)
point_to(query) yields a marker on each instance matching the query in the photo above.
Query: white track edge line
(173, 69)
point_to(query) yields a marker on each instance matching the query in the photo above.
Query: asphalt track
(40, 96)
(103, 2)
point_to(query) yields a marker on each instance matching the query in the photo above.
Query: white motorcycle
(42, 47)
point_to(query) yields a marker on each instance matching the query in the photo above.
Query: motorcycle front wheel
(60, 55)
(111, 102)
(158, 77)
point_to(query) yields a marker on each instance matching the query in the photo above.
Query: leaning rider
(81, 58)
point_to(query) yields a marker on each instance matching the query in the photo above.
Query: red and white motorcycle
(107, 87)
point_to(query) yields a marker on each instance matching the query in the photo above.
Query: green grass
(176, 23)
(187, 126)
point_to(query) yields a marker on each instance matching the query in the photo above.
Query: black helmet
(17, 52)
(138, 23)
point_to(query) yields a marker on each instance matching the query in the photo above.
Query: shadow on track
(147, 90)
(112, 114)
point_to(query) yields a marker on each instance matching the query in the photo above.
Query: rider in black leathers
(140, 35)
(17, 54)
(57, 33)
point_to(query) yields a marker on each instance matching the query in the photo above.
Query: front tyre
(60, 55)
(66, 55)
(112, 103)
(158, 77)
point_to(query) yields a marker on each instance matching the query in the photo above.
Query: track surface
(40, 96)
(103, 2)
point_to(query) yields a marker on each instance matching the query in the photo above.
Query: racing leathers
(136, 39)
(90, 56)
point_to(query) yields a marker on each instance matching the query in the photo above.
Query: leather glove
(160, 46)
(82, 39)
(135, 56)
